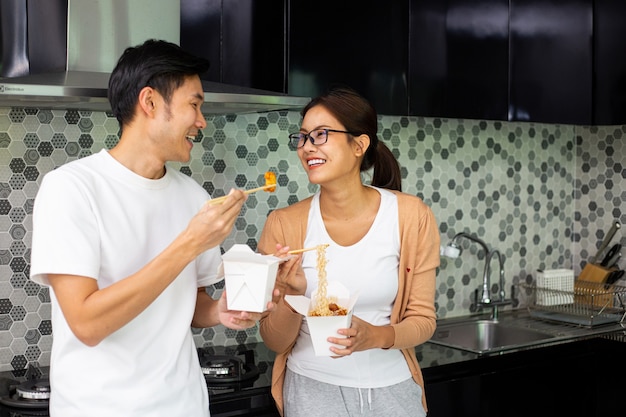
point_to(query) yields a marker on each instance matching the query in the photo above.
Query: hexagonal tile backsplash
(544, 195)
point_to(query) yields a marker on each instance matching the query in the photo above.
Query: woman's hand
(362, 336)
(290, 279)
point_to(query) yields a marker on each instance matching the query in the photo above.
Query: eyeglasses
(317, 137)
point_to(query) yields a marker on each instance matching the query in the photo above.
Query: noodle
(324, 305)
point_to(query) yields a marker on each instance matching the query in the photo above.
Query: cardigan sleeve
(414, 317)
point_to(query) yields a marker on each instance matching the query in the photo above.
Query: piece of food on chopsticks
(270, 187)
(270, 179)
(323, 305)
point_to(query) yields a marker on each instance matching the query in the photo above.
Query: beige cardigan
(413, 316)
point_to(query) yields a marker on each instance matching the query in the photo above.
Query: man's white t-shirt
(93, 217)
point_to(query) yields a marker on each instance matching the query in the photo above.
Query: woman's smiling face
(340, 156)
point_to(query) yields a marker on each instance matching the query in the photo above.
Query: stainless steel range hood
(87, 90)
(76, 74)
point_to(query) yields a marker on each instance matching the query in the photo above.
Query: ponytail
(386, 168)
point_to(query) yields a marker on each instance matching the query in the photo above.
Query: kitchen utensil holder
(595, 273)
(588, 304)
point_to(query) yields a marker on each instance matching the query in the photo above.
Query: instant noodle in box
(323, 327)
(249, 278)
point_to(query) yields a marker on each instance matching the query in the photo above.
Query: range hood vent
(53, 58)
(87, 90)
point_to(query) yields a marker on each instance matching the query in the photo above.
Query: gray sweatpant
(305, 397)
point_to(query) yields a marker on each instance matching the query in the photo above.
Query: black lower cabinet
(584, 378)
(255, 403)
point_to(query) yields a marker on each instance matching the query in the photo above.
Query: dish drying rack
(586, 304)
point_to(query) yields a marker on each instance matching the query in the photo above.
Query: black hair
(159, 64)
(357, 115)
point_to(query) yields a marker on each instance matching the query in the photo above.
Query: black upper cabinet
(303, 48)
(243, 39)
(551, 61)
(609, 75)
(201, 32)
(527, 60)
(359, 43)
(558, 61)
(253, 49)
(459, 57)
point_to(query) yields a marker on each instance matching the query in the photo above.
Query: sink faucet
(453, 250)
(485, 300)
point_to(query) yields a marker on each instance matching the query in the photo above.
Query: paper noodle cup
(323, 327)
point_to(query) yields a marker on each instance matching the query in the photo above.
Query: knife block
(594, 273)
(588, 289)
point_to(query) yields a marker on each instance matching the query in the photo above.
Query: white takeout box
(249, 278)
(321, 328)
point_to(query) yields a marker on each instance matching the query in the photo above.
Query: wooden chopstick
(296, 251)
(220, 200)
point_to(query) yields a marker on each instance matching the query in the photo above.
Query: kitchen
(542, 193)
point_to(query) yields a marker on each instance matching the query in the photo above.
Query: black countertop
(436, 361)
(431, 355)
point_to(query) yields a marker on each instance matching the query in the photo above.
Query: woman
(383, 244)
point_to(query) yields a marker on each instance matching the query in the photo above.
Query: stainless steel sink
(483, 336)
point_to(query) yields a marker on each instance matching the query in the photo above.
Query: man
(127, 246)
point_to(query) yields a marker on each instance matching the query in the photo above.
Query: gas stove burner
(220, 366)
(228, 368)
(33, 394)
(37, 389)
